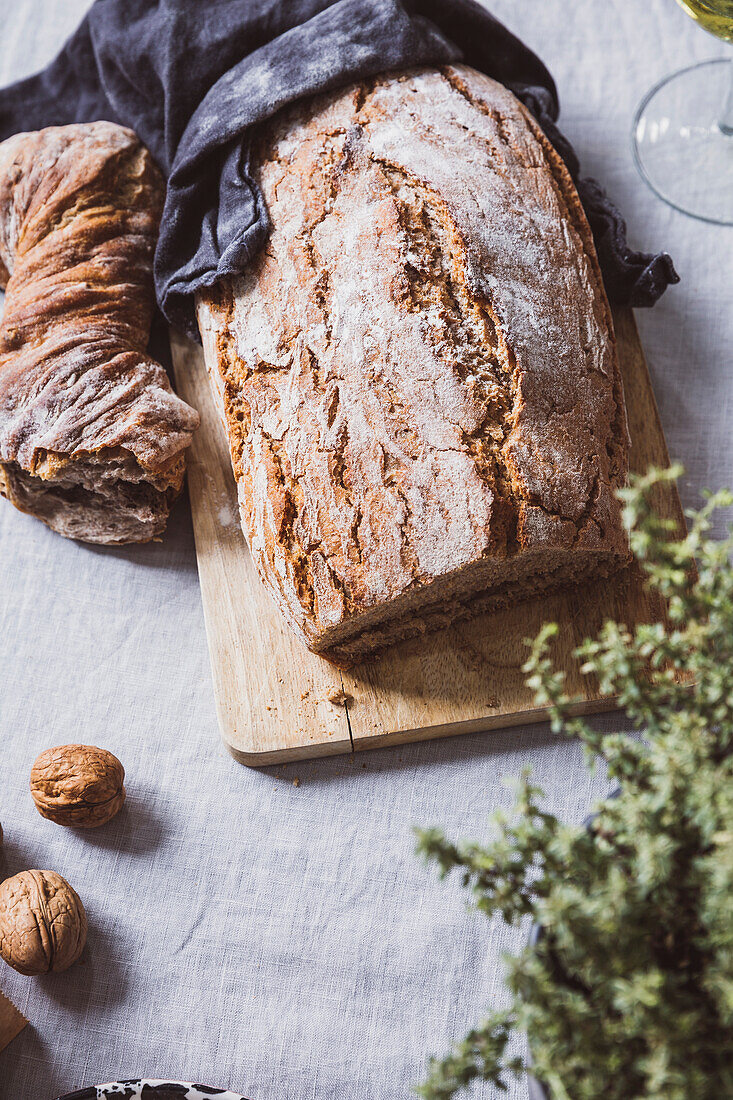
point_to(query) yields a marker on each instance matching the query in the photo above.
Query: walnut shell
(43, 925)
(78, 785)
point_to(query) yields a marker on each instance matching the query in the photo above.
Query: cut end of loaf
(103, 498)
(486, 587)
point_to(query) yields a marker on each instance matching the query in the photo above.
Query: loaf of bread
(92, 437)
(418, 376)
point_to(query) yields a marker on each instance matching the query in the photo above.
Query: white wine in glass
(715, 16)
(683, 129)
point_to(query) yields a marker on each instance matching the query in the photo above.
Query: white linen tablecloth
(245, 931)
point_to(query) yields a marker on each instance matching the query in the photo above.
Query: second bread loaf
(92, 437)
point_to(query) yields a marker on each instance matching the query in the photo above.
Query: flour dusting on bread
(91, 434)
(418, 376)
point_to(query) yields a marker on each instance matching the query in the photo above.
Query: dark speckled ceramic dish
(149, 1089)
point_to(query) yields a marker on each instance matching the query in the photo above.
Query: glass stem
(726, 118)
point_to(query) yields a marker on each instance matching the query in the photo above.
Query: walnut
(43, 925)
(78, 785)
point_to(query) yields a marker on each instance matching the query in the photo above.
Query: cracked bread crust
(92, 437)
(418, 376)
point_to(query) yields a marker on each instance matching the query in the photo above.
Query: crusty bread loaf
(91, 434)
(418, 376)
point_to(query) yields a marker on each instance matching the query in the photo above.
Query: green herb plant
(628, 992)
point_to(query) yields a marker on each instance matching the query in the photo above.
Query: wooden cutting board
(277, 702)
(12, 1022)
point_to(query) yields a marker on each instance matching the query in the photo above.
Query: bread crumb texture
(339, 697)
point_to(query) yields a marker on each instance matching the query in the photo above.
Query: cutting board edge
(488, 724)
(339, 743)
(264, 758)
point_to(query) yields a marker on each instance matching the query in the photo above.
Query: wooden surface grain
(276, 701)
(12, 1022)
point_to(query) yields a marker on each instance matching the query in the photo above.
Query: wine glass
(683, 128)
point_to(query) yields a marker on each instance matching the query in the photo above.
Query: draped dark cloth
(192, 77)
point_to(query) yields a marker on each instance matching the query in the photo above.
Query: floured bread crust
(91, 434)
(418, 376)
